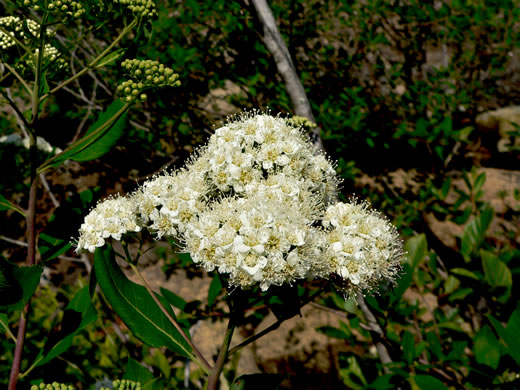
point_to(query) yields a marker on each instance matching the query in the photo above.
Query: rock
(507, 122)
(216, 102)
(296, 349)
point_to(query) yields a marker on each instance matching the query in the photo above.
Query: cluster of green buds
(15, 27)
(145, 74)
(301, 121)
(67, 9)
(140, 8)
(53, 386)
(124, 384)
(51, 57)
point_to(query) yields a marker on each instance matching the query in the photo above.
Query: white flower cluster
(109, 219)
(257, 203)
(360, 246)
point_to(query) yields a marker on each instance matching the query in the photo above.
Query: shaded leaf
(428, 382)
(496, 272)
(416, 250)
(173, 299)
(17, 284)
(78, 314)
(333, 332)
(214, 289)
(408, 347)
(257, 382)
(474, 233)
(136, 372)
(511, 334)
(136, 307)
(486, 347)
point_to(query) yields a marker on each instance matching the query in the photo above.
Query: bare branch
(275, 44)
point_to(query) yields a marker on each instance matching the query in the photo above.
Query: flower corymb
(258, 204)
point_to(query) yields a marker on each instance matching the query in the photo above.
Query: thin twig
(384, 356)
(48, 189)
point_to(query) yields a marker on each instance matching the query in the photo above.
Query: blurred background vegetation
(418, 101)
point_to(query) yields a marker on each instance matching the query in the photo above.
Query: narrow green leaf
(7, 205)
(214, 289)
(98, 140)
(115, 120)
(465, 272)
(51, 247)
(408, 347)
(416, 250)
(136, 307)
(333, 332)
(78, 314)
(496, 272)
(475, 232)
(405, 280)
(111, 58)
(173, 299)
(486, 347)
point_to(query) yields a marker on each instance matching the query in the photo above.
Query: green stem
(95, 61)
(222, 355)
(198, 358)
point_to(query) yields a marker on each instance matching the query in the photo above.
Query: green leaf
(474, 233)
(465, 272)
(7, 205)
(486, 347)
(428, 382)
(352, 375)
(214, 289)
(283, 301)
(4, 326)
(416, 249)
(17, 284)
(136, 372)
(257, 382)
(173, 299)
(98, 140)
(511, 334)
(496, 272)
(408, 347)
(67, 218)
(136, 307)
(51, 247)
(405, 280)
(78, 314)
(115, 122)
(111, 58)
(333, 332)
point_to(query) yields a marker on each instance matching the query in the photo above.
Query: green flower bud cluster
(301, 121)
(145, 74)
(124, 384)
(53, 386)
(51, 56)
(15, 26)
(68, 9)
(141, 8)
